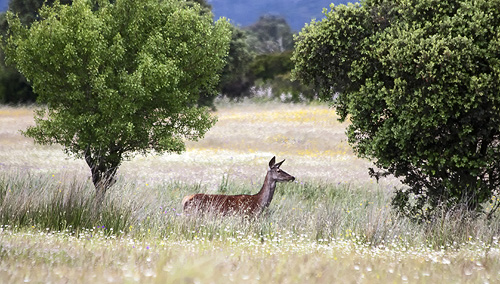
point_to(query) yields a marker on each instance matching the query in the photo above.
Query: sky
(3, 5)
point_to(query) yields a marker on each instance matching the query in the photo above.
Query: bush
(273, 71)
(419, 80)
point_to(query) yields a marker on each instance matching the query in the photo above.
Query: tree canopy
(235, 79)
(419, 80)
(117, 78)
(270, 34)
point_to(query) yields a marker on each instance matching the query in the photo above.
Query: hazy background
(244, 12)
(296, 12)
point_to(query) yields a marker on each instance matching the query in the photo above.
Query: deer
(245, 204)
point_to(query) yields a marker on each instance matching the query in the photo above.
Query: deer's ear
(271, 163)
(279, 164)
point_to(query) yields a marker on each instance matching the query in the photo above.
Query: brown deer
(250, 205)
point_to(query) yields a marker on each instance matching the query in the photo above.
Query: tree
(270, 34)
(268, 66)
(272, 71)
(205, 7)
(13, 86)
(419, 80)
(236, 79)
(117, 78)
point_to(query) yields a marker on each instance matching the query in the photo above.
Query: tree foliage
(268, 66)
(13, 86)
(272, 71)
(419, 80)
(119, 78)
(270, 34)
(236, 79)
(259, 55)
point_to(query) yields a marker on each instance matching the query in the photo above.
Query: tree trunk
(103, 175)
(102, 180)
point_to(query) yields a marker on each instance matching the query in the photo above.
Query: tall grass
(36, 201)
(318, 212)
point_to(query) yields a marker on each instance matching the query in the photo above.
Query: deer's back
(246, 204)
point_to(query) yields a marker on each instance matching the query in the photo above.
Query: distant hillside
(296, 12)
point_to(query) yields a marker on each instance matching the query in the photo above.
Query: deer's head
(276, 173)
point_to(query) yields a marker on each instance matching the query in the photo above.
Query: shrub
(419, 80)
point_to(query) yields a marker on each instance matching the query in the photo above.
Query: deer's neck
(266, 193)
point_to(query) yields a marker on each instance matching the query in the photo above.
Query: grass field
(333, 225)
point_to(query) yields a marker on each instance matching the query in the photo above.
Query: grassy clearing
(333, 225)
(314, 233)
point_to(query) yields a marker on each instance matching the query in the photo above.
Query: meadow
(334, 224)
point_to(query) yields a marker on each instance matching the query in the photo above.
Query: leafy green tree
(119, 78)
(268, 66)
(236, 79)
(205, 7)
(420, 82)
(272, 71)
(13, 86)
